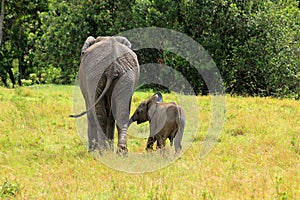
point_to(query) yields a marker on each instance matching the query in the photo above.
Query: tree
(255, 44)
(65, 27)
(1, 21)
(4, 68)
(20, 32)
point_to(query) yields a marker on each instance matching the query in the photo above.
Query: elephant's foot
(111, 145)
(107, 145)
(177, 152)
(92, 145)
(178, 149)
(103, 146)
(164, 152)
(149, 148)
(122, 150)
(91, 149)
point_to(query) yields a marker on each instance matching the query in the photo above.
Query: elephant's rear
(97, 58)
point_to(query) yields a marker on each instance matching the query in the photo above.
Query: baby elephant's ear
(159, 97)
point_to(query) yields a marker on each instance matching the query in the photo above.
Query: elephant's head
(141, 114)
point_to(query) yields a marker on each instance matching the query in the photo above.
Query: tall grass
(42, 156)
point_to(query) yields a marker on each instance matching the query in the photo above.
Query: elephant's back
(102, 54)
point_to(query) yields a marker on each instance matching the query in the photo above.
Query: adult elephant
(108, 74)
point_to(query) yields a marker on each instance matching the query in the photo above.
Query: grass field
(42, 156)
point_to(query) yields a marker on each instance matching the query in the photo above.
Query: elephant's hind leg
(121, 98)
(161, 144)
(110, 128)
(102, 112)
(92, 133)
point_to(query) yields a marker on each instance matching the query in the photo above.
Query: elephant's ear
(123, 40)
(159, 97)
(88, 42)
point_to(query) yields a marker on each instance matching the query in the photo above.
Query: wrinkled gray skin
(108, 74)
(167, 120)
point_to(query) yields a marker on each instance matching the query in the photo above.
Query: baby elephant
(167, 120)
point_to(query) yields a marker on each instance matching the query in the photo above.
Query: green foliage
(255, 44)
(53, 75)
(9, 189)
(34, 79)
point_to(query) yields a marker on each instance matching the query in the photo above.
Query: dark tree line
(255, 44)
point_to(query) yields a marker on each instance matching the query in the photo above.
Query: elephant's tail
(79, 115)
(109, 82)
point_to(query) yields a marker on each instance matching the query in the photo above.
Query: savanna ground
(42, 156)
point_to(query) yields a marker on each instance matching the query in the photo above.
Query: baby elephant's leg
(161, 143)
(150, 143)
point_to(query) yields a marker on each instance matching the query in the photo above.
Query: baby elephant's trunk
(130, 122)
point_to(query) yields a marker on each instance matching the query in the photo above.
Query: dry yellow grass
(42, 156)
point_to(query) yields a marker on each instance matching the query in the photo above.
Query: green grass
(42, 156)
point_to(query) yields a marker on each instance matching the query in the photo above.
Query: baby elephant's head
(141, 114)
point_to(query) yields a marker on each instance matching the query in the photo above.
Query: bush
(53, 75)
(33, 77)
(26, 82)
